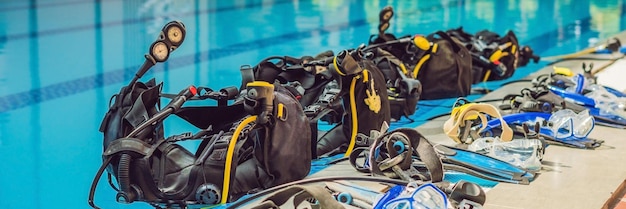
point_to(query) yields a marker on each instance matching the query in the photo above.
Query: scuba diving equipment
(301, 76)
(603, 104)
(387, 160)
(364, 100)
(462, 195)
(305, 192)
(482, 166)
(244, 147)
(308, 79)
(445, 70)
(137, 101)
(537, 100)
(417, 197)
(438, 61)
(351, 92)
(495, 57)
(463, 117)
(525, 153)
(120, 118)
(384, 17)
(227, 164)
(390, 160)
(403, 91)
(463, 127)
(566, 123)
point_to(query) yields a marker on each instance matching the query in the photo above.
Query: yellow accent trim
(563, 71)
(365, 76)
(355, 122)
(434, 49)
(421, 42)
(417, 68)
(496, 55)
(229, 154)
(487, 74)
(260, 83)
(373, 99)
(513, 48)
(337, 67)
(279, 113)
(403, 68)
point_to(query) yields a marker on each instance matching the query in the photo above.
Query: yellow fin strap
(355, 122)
(229, 156)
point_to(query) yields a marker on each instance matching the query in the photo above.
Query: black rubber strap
(301, 193)
(356, 153)
(419, 145)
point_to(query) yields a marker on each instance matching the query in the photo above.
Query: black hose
(94, 183)
(123, 177)
(123, 172)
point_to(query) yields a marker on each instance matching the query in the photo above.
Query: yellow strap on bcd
(229, 156)
(355, 122)
(421, 62)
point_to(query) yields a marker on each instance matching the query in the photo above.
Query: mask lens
(562, 123)
(429, 196)
(583, 124)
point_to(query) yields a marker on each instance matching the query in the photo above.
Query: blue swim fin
(487, 167)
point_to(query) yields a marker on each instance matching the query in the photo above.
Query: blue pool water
(60, 61)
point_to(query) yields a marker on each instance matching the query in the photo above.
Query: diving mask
(566, 123)
(426, 196)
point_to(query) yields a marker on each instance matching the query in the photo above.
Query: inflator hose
(123, 175)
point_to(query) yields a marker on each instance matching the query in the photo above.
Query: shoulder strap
(446, 37)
